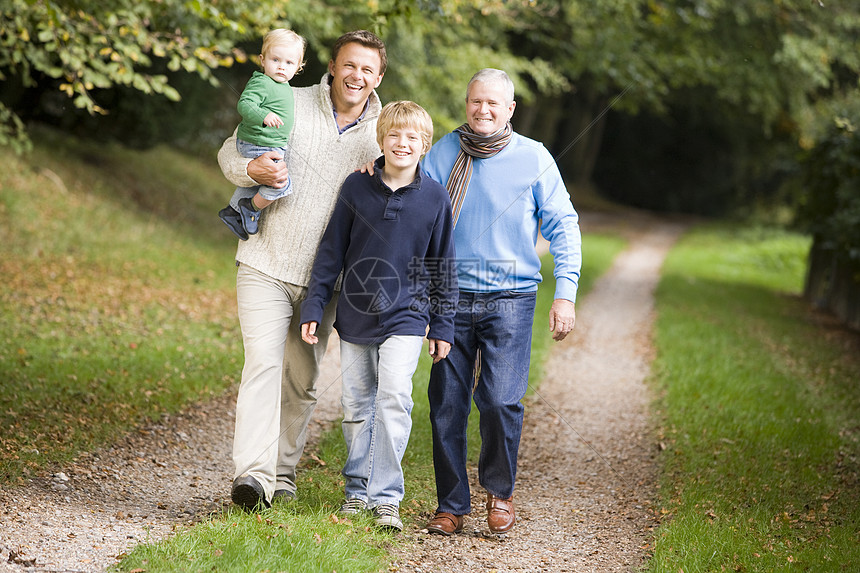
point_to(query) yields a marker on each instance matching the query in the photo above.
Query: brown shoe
(445, 523)
(500, 513)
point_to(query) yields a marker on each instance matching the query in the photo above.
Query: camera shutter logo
(371, 285)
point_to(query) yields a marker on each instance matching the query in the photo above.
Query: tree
(108, 57)
(81, 46)
(768, 60)
(831, 213)
(436, 46)
(755, 70)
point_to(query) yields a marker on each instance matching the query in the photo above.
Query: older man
(504, 189)
(334, 132)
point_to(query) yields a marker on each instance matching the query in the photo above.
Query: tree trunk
(539, 120)
(833, 284)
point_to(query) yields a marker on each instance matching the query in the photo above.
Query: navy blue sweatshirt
(396, 251)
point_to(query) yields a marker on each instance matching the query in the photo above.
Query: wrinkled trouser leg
(277, 393)
(499, 325)
(377, 407)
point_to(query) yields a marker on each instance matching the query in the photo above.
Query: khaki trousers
(277, 394)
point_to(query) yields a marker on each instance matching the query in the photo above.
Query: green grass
(759, 408)
(294, 537)
(118, 298)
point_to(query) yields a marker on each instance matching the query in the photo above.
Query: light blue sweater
(511, 196)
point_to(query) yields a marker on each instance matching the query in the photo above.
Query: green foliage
(831, 179)
(82, 46)
(433, 64)
(766, 58)
(723, 92)
(726, 91)
(759, 409)
(105, 56)
(12, 131)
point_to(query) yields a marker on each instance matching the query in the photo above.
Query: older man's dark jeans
(500, 324)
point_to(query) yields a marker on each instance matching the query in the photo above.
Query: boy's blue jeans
(500, 325)
(377, 416)
(252, 151)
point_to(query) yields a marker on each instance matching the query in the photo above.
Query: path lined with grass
(587, 471)
(759, 444)
(136, 492)
(139, 490)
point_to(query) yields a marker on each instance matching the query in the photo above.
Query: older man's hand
(562, 318)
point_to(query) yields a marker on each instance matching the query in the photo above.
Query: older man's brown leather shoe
(445, 523)
(500, 513)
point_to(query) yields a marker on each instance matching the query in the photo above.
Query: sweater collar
(379, 164)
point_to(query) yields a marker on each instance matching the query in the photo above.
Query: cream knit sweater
(319, 160)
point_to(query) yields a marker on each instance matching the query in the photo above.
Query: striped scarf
(472, 146)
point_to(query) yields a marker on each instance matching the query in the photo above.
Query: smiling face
(403, 148)
(487, 110)
(356, 72)
(282, 61)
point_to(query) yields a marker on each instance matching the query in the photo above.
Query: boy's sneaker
(353, 506)
(387, 515)
(250, 216)
(283, 496)
(233, 220)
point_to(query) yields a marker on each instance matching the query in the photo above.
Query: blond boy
(391, 234)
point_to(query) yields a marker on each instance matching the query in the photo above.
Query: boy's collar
(379, 166)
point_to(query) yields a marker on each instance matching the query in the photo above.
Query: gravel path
(89, 515)
(587, 472)
(586, 475)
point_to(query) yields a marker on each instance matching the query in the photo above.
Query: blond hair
(283, 37)
(401, 114)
